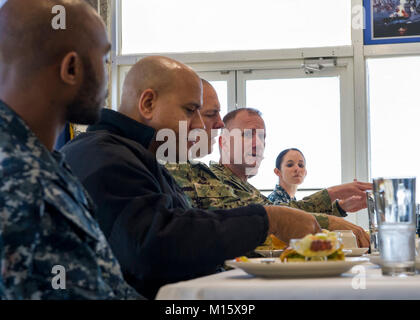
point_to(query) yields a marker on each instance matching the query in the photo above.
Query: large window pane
(220, 25)
(303, 113)
(394, 116)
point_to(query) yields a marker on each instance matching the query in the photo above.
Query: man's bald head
(161, 74)
(163, 94)
(48, 75)
(28, 40)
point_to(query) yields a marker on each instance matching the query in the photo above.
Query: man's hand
(347, 190)
(337, 223)
(353, 204)
(289, 223)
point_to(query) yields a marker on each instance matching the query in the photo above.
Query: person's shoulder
(99, 138)
(195, 171)
(205, 175)
(216, 167)
(32, 185)
(273, 196)
(108, 149)
(26, 195)
(20, 176)
(21, 198)
(178, 167)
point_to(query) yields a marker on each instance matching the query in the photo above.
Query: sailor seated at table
(156, 235)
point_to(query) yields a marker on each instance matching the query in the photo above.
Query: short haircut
(231, 115)
(28, 37)
(281, 155)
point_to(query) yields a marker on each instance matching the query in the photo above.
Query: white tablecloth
(236, 284)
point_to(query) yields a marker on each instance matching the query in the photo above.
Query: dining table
(362, 282)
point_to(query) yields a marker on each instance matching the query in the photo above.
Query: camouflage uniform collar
(280, 190)
(190, 165)
(215, 164)
(219, 167)
(198, 165)
(226, 172)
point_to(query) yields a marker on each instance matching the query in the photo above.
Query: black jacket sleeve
(154, 234)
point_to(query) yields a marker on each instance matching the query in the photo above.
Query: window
(303, 113)
(394, 116)
(163, 26)
(237, 46)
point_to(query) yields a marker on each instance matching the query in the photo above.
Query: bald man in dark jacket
(156, 235)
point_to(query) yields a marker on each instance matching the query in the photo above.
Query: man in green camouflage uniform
(217, 187)
(50, 245)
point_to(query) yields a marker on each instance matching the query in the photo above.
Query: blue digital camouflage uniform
(279, 195)
(216, 187)
(45, 221)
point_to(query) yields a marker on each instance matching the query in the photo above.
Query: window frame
(344, 71)
(229, 77)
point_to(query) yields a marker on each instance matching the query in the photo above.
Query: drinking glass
(373, 223)
(395, 202)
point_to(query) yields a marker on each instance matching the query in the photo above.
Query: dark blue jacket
(154, 233)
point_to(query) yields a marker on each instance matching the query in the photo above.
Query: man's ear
(71, 68)
(220, 141)
(147, 103)
(277, 172)
(224, 144)
(224, 156)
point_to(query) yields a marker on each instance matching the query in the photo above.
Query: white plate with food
(269, 253)
(275, 268)
(355, 252)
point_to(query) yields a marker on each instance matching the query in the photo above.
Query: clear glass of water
(395, 203)
(373, 223)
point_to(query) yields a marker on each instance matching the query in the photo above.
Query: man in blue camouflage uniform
(45, 217)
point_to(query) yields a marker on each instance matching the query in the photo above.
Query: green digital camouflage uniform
(45, 221)
(216, 187)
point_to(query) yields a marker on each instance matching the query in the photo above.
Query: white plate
(266, 253)
(355, 252)
(376, 259)
(259, 268)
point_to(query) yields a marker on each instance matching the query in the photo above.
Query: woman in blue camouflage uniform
(291, 170)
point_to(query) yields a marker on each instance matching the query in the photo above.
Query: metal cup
(395, 203)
